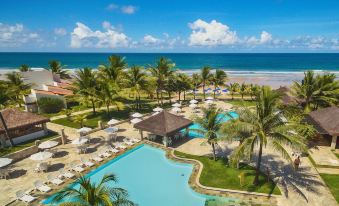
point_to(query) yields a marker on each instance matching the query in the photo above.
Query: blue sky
(170, 26)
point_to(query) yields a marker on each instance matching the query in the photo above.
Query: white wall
(27, 137)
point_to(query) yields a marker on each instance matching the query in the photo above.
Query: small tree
(50, 105)
(80, 119)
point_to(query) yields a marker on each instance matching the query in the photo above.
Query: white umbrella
(193, 101)
(5, 161)
(48, 144)
(137, 115)
(209, 102)
(135, 120)
(176, 105)
(157, 109)
(209, 98)
(176, 109)
(40, 156)
(111, 129)
(84, 130)
(80, 141)
(193, 106)
(112, 121)
(155, 113)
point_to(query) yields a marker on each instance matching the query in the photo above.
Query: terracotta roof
(325, 120)
(44, 92)
(16, 119)
(59, 90)
(163, 124)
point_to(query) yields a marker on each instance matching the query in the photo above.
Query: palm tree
(86, 85)
(4, 94)
(56, 68)
(24, 68)
(196, 81)
(243, 90)
(254, 88)
(114, 69)
(316, 90)
(107, 94)
(16, 86)
(183, 84)
(161, 71)
(263, 126)
(233, 88)
(92, 194)
(79, 119)
(210, 125)
(218, 79)
(206, 76)
(136, 81)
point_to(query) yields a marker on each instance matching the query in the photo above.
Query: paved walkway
(322, 155)
(328, 170)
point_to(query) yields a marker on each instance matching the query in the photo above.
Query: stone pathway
(328, 170)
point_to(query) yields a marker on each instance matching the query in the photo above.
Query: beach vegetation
(24, 68)
(50, 105)
(205, 75)
(218, 79)
(57, 68)
(244, 90)
(233, 88)
(137, 82)
(16, 87)
(196, 81)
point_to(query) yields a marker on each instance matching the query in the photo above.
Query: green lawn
(332, 182)
(218, 174)
(8, 150)
(239, 102)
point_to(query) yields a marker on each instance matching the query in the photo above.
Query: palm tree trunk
(158, 97)
(179, 93)
(215, 87)
(170, 98)
(184, 95)
(107, 106)
(161, 97)
(194, 93)
(93, 106)
(203, 90)
(257, 171)
(213, 148)
(232, 95)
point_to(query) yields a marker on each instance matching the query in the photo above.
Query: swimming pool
(223, 118)
(151, 179)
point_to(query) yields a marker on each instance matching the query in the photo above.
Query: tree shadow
(55, 167)
(60, 154)
(17, 173)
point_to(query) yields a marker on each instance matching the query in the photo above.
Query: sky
(169, 26)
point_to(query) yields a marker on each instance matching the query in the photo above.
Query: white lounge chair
(41, 186)
(120, 146)
(22, 196)
(76, 168)
(54, 180)
(67, 174)
(96, 158)
(136, 140)
(104, 154)
(128, 142)
(112, 149)
(86, 162)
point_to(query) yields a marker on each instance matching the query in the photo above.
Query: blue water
(185, 61)
(151, 179)
(222, 117)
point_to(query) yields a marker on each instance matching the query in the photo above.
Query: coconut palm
(316, 90)
(218, 79)
(24, 68)
(161, 71)
(79, 119)
(243, 90)
(183, 84)
(261, 127)
(210, 126)
(92, 194)
(196, 81)
(107, 94)
(56, 68)
(16, 86)
(233, 88)
(4, 94)
(205, 74)
(253, 89)
(114, 69)
(136, 81)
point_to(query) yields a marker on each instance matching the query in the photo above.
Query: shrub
(50, 105)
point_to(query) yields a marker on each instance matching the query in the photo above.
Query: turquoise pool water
(151, 179)
(223, 118)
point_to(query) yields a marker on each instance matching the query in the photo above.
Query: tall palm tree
(263, 126)
(243, 90)
(136, 81)
(114, 69)
(316, 90)
(24, 68)
(205, 74)
(253, 89)
(92, 194)
(86, 85)
(196, 81)
(161, 71)
(16, 86)
(5, 95)
(210, 126)
(183, 84)
(107, 94)
(218, 79)
(56, 68)
(233, 88)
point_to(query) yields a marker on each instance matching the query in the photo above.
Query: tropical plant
(210, 126)
(316, 90)
(218, 79)
(16, 86)
(136, 81)
(79, 119)
(183, 84)
(114, 70)
(253, 90)
(243, 90)
(263, 126)
(92, 194)
(108, 94)
(233, 88)
(56, 68)
(50, 105)
(4, 94)
(24, 68)
(196, 81)
(205, 74)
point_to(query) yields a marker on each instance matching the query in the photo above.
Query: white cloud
(15, 35)
(83, 36)
(211, 34)
(112, 7)
(148, 39)
(128, 9)
(265, 37)
(60, 31)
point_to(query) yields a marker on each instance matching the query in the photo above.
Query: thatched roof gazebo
(21, 124)
(326, 121)
(163, 124)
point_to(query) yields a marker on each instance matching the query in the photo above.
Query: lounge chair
(86, 162)
(112, 149)
(136, 140)
(41, 167)
(120, 146)
(54, 180)
(128, 142)
(76, 168)
(41, 186)
(104, 154)
(22, 196)
(67, 174)
(96, 158)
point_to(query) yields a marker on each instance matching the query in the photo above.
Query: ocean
(272, 68)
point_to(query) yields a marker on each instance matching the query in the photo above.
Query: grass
(218, 174)
(8, 150)
(239, 102)
(332, 182)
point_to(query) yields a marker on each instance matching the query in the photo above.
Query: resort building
(326, 122)
(21, 126)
